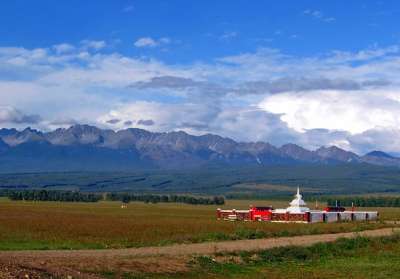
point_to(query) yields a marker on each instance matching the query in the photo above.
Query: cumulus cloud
(62, 48)
(350, 99)
(315, 138)
(335, 110)
(145, 42)
(13, 116)
(364, 55)
(160, 117)
(150, 42)
(377, 139)
(92, 44)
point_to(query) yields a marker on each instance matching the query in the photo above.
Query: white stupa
(298, 205)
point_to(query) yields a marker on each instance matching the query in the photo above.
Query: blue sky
(203, 30)
(309, 72)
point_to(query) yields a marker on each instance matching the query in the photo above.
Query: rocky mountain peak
(298, 152)
(380, 154)
(166, 150)
(78, 134)
(337, 154)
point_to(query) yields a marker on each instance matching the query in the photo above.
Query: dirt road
(198, 248)
(70, 261)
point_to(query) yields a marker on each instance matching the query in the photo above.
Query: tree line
(53, 195)
(150, 198)
(75, 196)
(365, 201)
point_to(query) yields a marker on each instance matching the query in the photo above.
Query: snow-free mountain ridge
(84, 147)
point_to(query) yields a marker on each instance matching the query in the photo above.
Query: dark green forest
(365, 201)
(43, 195)
(74, 196)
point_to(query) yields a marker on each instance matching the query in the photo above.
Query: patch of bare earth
(167, 259)
(90, 268)
(12, 271)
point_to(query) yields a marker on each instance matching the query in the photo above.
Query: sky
(314, 73)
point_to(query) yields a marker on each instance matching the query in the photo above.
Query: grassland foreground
(46, 264)
(199, 248)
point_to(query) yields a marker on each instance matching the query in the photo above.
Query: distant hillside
(255, 181)
(88, 148)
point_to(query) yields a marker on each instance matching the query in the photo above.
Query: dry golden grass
(53, 225)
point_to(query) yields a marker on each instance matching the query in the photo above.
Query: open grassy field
(359, 258)
(53, 225)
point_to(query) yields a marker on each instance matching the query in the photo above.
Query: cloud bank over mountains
(348, 99)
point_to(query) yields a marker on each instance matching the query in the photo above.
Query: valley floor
(233, 259)
(102, 240)
(104, 225)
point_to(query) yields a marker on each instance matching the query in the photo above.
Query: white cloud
(314, 13)
(165, 117)
(266, 95)
(108, 71)
(377, 139)
(363, 55)
(200, 119)
(146, 42)
(11, 115)
(150, 42)
(95, 45)
(62, 48)
(335, 110)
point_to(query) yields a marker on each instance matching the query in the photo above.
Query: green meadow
(62, 225)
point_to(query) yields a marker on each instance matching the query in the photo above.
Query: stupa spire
(298, 204)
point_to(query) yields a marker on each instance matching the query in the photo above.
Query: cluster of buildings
(297, 212)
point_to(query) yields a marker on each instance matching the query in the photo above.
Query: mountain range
(88, 148)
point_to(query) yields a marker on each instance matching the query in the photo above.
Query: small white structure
(298, 205)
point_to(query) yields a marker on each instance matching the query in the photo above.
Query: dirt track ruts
(196, 248)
